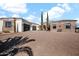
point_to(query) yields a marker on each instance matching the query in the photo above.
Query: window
(68, 26)
(8, 24)
(54, 26)
(33, 27)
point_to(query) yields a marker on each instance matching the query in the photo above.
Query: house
(57, 26)
(16, 25)
(62, 26)
(34, 27)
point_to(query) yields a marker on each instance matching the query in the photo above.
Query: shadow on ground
(10, 46)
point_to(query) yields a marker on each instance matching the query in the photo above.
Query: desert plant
(6, 31)
(11, 46)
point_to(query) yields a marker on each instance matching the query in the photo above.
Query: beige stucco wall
(11, 29)
(19, 26)
(1, 25)
(37, 27)
(62, 24)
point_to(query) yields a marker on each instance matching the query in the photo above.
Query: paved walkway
(50, 43)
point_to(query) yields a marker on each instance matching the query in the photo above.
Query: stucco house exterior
(16, 25)
(21, 25)
(62, 25)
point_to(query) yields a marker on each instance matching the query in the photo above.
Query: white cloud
(29, 18)
(2, 16)
(15, 15)
(54, 12)
(59, 4)
(14, 7)
(32, 18)
(57, 11)
(77, 20)
(64, 6)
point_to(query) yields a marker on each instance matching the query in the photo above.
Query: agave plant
(10, 47)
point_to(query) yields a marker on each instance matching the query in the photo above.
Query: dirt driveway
(50, 43)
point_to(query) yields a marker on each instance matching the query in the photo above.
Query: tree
(41, 20)
(14, 25)
(47, 23)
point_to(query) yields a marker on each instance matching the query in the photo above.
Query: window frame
(54, 26)
(8, 24)
(67, 25)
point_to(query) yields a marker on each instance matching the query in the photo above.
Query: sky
(32, 11)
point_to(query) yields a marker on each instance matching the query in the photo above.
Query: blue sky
(32, 11)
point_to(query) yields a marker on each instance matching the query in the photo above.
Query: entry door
(33, 27)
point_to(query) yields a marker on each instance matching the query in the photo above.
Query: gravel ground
(50, 43)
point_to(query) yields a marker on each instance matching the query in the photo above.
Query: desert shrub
(6, 31)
